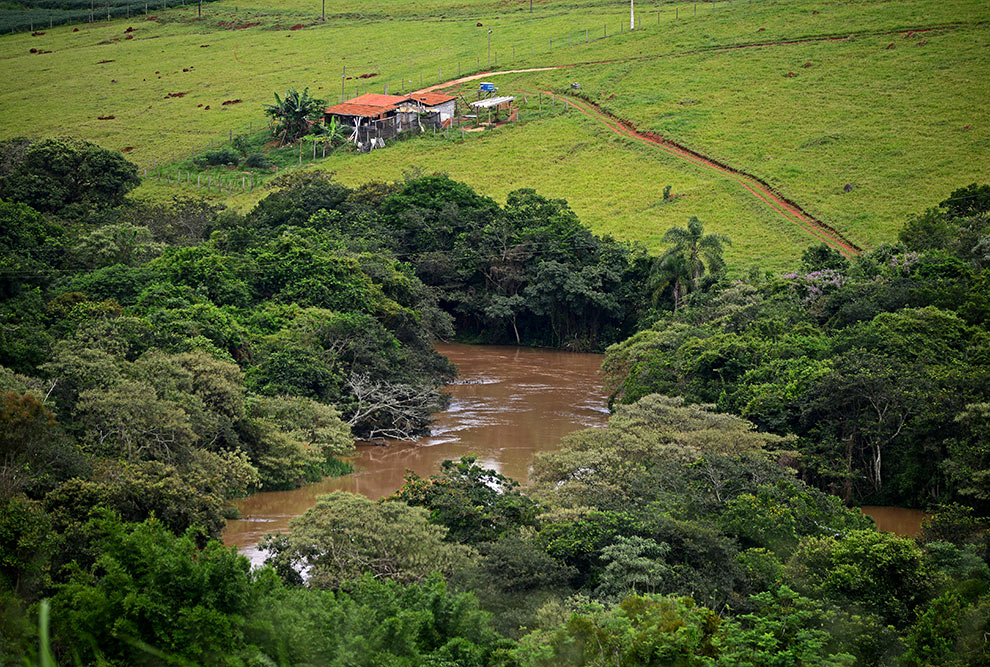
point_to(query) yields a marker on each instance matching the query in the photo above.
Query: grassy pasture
(66, 91)
(889, 122)
(903, 126)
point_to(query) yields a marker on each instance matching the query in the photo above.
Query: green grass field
(892, 123)
(902, 126)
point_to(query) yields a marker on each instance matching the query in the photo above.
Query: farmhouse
(370, 117)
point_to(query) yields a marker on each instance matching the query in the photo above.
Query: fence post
(585, 35)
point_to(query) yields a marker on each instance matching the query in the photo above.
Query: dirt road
(789, 210)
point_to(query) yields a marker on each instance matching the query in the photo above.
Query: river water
(508, 403)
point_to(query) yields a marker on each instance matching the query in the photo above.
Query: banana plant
(292, 117)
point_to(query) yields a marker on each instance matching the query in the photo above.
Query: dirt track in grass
(782, 206)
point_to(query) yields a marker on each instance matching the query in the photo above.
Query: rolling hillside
(858, 112)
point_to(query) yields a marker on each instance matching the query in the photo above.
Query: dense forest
(159, 359)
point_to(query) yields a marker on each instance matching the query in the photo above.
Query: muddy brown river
(508, 403)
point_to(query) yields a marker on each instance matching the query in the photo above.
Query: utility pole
(323, 17)
(489, 48)
(632, 16)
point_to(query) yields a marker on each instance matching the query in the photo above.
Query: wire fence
(496, 53)
(180, 170)
(37, 15)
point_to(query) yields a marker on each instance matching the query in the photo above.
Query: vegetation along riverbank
(161, 359)
(768, 219)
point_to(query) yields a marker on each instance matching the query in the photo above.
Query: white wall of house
(446, 110)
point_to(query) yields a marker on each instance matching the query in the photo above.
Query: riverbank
(507, 404)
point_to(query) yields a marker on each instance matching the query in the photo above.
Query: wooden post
(585, 35)
(199, 182)
(300, 151)
(439, 74)
(242, 182)
(230, 136)
(541, 104)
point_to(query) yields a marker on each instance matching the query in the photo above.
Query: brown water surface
(901, 521)
(507, 404)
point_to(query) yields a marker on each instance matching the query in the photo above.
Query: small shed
(439, 103)
(494, 104)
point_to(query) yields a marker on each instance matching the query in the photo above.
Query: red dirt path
(758, 188)
(784, 207)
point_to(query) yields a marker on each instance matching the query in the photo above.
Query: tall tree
(699, 252)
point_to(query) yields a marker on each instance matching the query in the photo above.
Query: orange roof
(348, 109)
(432, 99)
(377, 100)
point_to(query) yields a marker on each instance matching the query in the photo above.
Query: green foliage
(297, 440)
(871, 366)
(640, 630)
(345, 535)
(823, 257)
(31, 248)
(784, 629)
(474, 504)
(150, 592)
(878, 571)
(220, 157)
(64, 176)
(291, 116)
(693, 253)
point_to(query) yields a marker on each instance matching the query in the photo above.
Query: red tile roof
(432, 99)
(365, 110)
(378, 100)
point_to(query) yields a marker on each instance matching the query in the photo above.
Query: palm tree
(292, 116)
(693, 253)
(672, 271)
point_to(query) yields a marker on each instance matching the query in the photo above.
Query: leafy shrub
(223, 156)
(257, 161)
